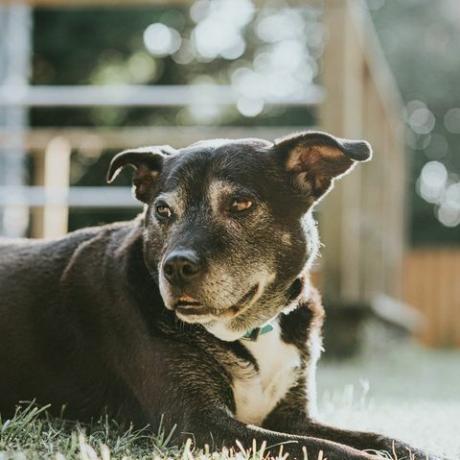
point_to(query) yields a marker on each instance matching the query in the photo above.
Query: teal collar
(254, 333)
(294, 294)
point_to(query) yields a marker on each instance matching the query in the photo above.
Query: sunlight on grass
(399, 389)
(33, 434)
(408, 393)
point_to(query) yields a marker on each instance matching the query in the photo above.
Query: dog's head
(228, 228)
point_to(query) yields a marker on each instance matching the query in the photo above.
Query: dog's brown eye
(240, 205)
(163, 211)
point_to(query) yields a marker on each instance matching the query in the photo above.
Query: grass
(33, 434)
(403, 391)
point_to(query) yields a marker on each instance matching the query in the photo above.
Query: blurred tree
(419, 38)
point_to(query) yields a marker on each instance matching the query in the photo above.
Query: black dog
(199, 311)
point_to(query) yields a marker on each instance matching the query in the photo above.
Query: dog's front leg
(291, 416)
(217, 428)
(173, 380)
(366, 440)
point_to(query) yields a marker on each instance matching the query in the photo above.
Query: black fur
(83, 322)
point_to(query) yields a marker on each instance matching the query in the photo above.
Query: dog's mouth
(185, 301)
(191, 310)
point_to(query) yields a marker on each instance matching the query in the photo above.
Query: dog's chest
(257, 391)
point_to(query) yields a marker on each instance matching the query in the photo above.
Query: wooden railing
(51, 150)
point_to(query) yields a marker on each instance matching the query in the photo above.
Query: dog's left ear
(147, 163)
(315, 159)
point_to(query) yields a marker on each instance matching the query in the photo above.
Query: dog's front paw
(347, 455)
(397, 450)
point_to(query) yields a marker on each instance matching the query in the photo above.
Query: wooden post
(395, 193)
(362, 222)
(53, 172)
(341, 114)
(373, 234)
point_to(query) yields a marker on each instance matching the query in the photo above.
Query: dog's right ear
(147, 163)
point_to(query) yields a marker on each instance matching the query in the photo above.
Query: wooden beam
(375, 224)
(119, 138)
(341, 113)
(53, 172)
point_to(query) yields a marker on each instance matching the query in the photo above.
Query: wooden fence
(432, 285)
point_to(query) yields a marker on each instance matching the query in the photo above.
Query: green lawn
(401, 390)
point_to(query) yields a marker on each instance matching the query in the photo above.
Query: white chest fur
(256, 393)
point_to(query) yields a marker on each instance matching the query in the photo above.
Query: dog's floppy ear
(315, 159)
(147, 163)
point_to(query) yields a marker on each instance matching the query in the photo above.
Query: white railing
(141, 96)
(70, 197)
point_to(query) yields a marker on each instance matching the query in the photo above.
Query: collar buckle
(253, 334)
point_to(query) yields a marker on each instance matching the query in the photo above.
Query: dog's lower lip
(190, 310)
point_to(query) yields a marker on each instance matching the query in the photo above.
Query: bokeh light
(436, 184)
(452, 120)
(421, 120)
(250, 107)
(442, 189)
(433, 179)
(219, 28)
(161, 40)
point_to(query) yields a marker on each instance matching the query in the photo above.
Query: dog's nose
(182, 266)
